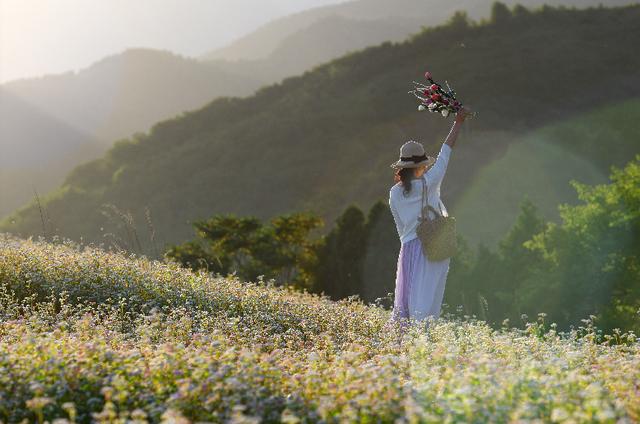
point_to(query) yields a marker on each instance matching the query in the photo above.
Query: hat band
(414, 158)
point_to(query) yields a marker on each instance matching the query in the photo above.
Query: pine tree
(500, 13)
(341, 257)
(517, 261)
(381, 256)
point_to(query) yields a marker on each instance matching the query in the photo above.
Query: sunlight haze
(42, 37)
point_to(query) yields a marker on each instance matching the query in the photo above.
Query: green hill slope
(325, 139)
(95, 336)
(546, 161)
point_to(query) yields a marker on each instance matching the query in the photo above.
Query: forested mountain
(49, 125)
(324, 40)
(128, 92)
(408, 16)
(326, 139)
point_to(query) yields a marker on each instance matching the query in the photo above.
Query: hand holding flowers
(463, 114)
(434, 98)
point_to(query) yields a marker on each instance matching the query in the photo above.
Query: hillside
(89, 336)
(128, 92)
(325, 139)
(408, 15)
(581, 148)
(31, 158)
(264, 41)
(51, 124)
(322, 41)
(300, 42)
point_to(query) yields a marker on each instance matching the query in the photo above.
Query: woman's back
(406, 207)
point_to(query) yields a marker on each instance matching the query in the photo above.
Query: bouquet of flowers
(434, 98)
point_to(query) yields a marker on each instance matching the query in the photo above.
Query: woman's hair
(406, 175)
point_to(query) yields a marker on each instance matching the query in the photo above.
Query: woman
(419, 282)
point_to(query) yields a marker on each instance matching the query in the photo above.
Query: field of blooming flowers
(92, 336)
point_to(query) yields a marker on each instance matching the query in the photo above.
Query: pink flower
(434, 87)
(428, 75)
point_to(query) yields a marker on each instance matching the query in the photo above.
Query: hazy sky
(49, 36)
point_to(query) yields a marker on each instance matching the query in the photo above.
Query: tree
(381, 256)
(480, 297)
(592, 259)
(490, 284)
(500, 13)
(459, 279)
(281, 250)
(459, 20)
(520, 11)
(341, 256)
(294, 254)
(517, 261)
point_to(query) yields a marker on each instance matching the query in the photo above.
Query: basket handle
(428, 206)
(424, 189)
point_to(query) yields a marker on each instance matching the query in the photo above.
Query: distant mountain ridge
(59, 121)
(267, 39)
(316, 45)
(325, 139)
(263, 42)
(128, 92)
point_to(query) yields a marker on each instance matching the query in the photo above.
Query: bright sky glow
(40, 37)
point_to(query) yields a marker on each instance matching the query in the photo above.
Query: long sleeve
(396, 216)
(437, 171)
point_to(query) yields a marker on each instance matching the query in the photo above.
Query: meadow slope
(88, 335)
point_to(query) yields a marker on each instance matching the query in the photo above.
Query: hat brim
(430, 160)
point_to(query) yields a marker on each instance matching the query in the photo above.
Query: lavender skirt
(419, 284)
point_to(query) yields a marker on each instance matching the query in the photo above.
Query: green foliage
(500, 13)
(227, 244)
(459, 20)
(341, 257)
(586, 265)
(517, 260)
(381, 256)
(337, 264)
(540, 164)
(592, 259)
(490, 284)
(520, 11)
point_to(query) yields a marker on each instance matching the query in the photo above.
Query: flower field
(93, 336)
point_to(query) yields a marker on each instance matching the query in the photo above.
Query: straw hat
(412, 155)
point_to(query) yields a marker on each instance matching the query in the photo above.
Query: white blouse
(406, 209)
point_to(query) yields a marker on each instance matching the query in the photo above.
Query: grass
(88, 335)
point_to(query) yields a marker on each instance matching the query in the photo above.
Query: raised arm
(436, 173)
(455, 129)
